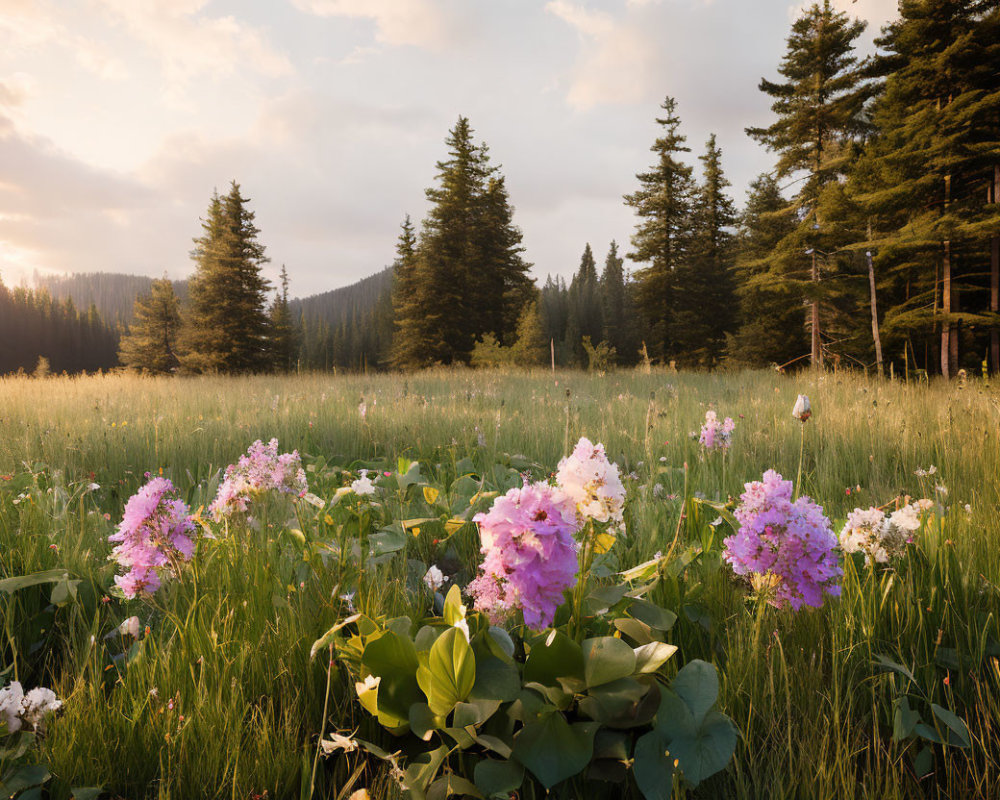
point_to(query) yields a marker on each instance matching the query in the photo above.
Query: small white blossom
(130, 627)
(363, 486)
(802, 410)
(434, 578)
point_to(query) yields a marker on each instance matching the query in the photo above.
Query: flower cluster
(716, 435)
(592, 483)
(790, 540)
(17, 708)
(530, 554)
(261, 470)
(882, 538)
(155, 532)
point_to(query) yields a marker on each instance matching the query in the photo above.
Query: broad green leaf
(955, 725)
(899, 669)
(653, 767)
(654, 616)
(606, 659)
(474, 712)
(697, 684)
(393, 658)
(18, 582)
(609, 701)
(709, 750)
(450, 785)
(612, 744)
(638, 631)
(422, 770)
(904, 719)
(496, 679)
(431, 495)
(327, 638)
(454, 610)
(553, 750)
(650, 657)
(450, 672)
(423, 723)
(557, 656)
(498, 778)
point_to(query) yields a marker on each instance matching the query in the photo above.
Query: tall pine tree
(151, 342)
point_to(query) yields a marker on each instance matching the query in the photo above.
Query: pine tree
(663, 236)
(151, 343)
(819, 111)
(769, 322)
(929, 182)
(531, 347)
(226, 328)
(283, 334)
(704, 306)
(613, 299)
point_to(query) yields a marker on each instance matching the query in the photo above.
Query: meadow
(891, 690)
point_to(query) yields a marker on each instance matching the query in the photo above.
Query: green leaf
(450, 785)
(24, 777)
(652, 767)
(556, 657)
(923, 763)
(609, 701)
(327, 638)
(474, 713)
(423, 723)
(697, 684)
(450, 672)
(393, 658)
(638, 631)
(498, 778)
(709, 750)
(955, 725)
(86, 792)
(422, 770)
(899, 669)
(454, 610)
(904, 719)
(496, 679)
(501, 639)
(612, 744)
(554, 750)
(606, 659)
(18, 582)
(654, 616)
(650, 657)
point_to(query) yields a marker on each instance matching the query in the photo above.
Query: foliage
(151, 342)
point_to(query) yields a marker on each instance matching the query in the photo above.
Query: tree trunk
(949, 337)
(875, 333)
(995, 282)
(816, 353)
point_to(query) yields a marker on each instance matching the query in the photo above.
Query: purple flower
(715, 435)
(156, 532)
(530, 554)
(261, 470)
(790, 541)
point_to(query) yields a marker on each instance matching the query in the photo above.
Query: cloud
(432, 24)
(620, 61)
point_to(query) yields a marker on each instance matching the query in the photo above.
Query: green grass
(230, 645)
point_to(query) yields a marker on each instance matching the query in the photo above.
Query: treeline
(39, 334)
(112, 293)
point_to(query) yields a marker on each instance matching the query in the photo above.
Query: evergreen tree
(151, 343)
(226, 328)
(663, 236)
(531, 348)
(283, 334)
(819, 112)
(703, 312)
(613, 299)
(929, 182)
(770, 326)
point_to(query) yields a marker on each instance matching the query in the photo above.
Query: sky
(118, 119)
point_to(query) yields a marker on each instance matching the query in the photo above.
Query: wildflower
(261, 470)
(530, 554)
(715, 435)
(870, 532)
(130, 627)
(10, 706)
(802, 410)
(789, 541)
(363, 486)
(434, 578)
(592, 483)
(37, 705)
(155, 532)
(338, 742)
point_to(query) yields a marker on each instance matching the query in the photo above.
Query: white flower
(802, 410)
(349, 600)
(463, 626)
(592, 483)
(130, 627)
(37, 704)
(338, 742)
(93, 487)
(907, 518)
(10, 706)
(434, 578)
(369, 684)
(363, 486)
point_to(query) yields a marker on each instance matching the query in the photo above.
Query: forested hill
(112, 293)
(340, 305)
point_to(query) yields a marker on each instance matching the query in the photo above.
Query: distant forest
(874, 243)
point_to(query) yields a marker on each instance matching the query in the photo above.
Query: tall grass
(229, 650)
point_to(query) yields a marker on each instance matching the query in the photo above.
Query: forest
(874, 244)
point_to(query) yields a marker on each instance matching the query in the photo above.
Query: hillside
(112, 293)
(339, 306)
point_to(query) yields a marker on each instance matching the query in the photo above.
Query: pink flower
(790, 541)
(530, 554)
(715, 435)
(261, 470)
(593, 483)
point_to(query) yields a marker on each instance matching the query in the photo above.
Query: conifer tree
(818, 108)
(151, 343)
(613, 299)
(531, 348)
(663, 235)
(283, 334)
(226, 328)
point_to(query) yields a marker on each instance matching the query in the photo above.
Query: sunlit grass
(816, 714)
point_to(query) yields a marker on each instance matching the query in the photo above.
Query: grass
(220, 699)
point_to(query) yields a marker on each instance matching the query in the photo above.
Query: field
(219, 696)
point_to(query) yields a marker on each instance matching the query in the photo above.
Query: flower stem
(322, 725)
(802, 447)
